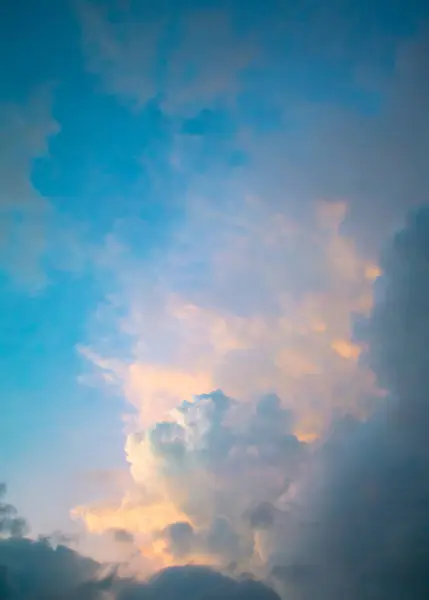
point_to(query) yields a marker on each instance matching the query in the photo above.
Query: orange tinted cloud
(273, 316)
(346, 349)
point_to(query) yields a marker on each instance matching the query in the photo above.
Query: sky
(213, 298)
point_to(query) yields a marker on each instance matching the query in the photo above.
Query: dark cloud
(195, 583)
(369, 494)
(30, 570)
(34, 569)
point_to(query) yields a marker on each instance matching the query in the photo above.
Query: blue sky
(130, 251)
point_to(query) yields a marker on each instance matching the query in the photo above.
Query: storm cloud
(369, 493)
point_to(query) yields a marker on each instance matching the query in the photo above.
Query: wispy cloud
(25, 214)
(187, 59)
(359, 135)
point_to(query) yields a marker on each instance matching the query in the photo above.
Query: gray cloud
(262, 516)
(369, 491)
(218, 435)
(218, 540)
(214, 463)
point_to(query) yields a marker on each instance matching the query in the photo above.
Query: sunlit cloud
(224, 181)
(304, 284)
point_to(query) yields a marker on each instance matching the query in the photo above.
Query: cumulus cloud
(285, 359)
(197, 475)
(345, 515)
(264, 304)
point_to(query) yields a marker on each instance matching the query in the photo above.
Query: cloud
(25, 215)
(375, 159)
(315, 116)
(346, 516)
(259, 294)
(264, 304)
(35, 568)
(195, 477)
(38, 569)
(369, 498)
(36, 238)
(282, 346)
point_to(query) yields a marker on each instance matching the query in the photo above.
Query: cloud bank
(350, 515)
(371, 508)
